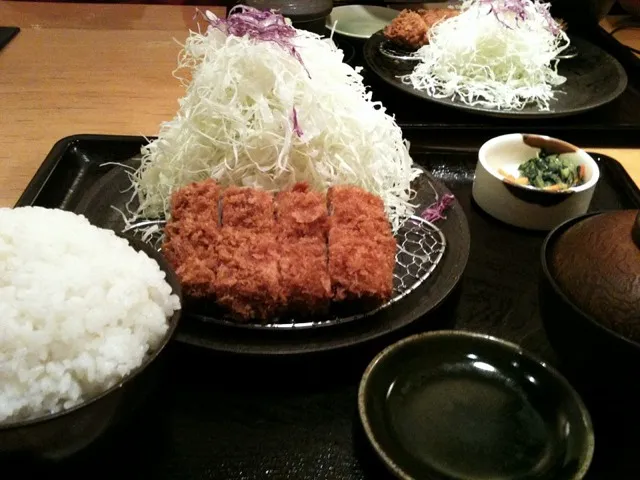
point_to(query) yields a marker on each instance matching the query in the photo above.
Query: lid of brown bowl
(596, 263)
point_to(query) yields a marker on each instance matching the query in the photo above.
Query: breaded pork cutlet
(301, 212)
(250, 208)
(431, 16)
(362, 248)
(247, 278)
(410, 29)
(191, 237)
(304, 276)
(357, 209)
(361, 268)
(196, 199)
(302, 226)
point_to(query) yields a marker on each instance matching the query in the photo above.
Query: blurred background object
(310, 14)
(582, 12)
(305, 14)
(631, 6)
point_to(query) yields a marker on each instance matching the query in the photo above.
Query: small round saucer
(360, 21)
(457, 405)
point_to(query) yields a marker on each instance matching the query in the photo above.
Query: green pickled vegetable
(551, 171)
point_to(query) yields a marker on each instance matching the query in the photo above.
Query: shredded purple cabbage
(265, 25)
(436, 210)
(518, 8)
(296, 125)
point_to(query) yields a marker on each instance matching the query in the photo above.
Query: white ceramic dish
(360, 21)
(523, 205)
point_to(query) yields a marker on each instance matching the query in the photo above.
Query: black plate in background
(221, 417)
(621, 113)
(594, 78)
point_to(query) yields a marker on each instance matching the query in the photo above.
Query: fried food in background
(410, 28)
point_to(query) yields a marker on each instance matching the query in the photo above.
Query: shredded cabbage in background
(498, 54)
(259, 114)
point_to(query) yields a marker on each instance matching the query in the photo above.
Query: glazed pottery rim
(173, 321)
(551, 238)
(585, 157)
(516, 349)
(345, 8)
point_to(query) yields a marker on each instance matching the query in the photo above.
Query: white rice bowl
(79, 310)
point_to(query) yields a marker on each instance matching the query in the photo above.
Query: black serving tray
(234, 417)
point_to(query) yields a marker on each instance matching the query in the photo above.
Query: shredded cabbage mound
(496, 54)
(257, 114)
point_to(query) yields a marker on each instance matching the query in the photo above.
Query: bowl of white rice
(85, 315)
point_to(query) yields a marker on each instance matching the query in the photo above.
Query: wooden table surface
(106, 69)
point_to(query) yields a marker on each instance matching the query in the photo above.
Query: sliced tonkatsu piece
(362, 248)
(247, 279)
(301, 213)
(302, 228)
(190, 249)
(187, 238)
(361, 268)
(197, 199)
(191, 236)
(304, 276)
(353, 207)
(249, 208)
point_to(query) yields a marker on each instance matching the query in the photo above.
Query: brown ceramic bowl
(590, 294)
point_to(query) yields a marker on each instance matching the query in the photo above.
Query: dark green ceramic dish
(451, 405)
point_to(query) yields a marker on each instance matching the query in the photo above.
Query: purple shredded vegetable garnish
(518, 8)
(436, 210)
(296, 125)
(265, 25)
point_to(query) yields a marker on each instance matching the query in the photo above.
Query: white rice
(79, 310)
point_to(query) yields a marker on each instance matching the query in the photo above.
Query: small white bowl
(360, 21)
(526, 206)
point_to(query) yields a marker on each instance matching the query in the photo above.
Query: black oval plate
(594, 78)
(109, 192)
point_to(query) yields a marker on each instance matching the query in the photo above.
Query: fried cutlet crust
(431, 16)
(361, 268)
(361, 246)
(250, 208)
(302, 225)
(190, 247)
(199, 199)
(304, 276)
(410, 29)
(301, 212)
(247, 278)
(358, 209)
(190, 236)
